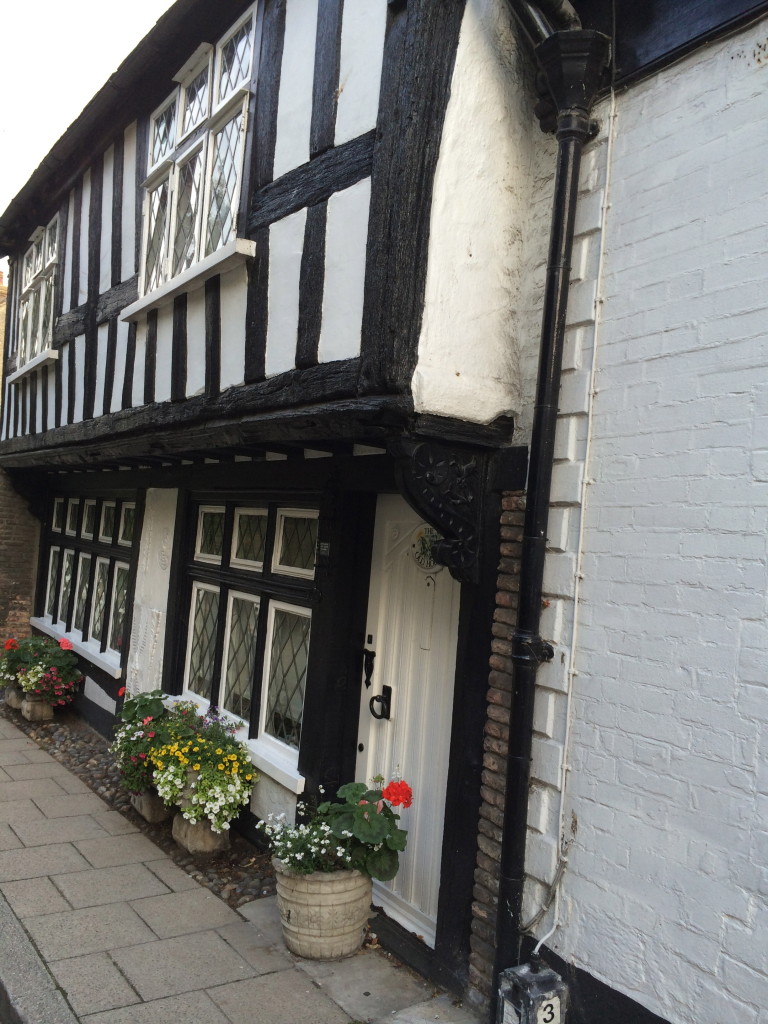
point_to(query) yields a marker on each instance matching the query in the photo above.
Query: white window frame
(245, 563)
(197, 585)
(204, 556)
(120, 539)
(199, 138)
(110, 622)
(37, 347)
(104, 537)
(254, 599)
(58, 504)
(73, 503)
(268, 744)
(89, 503)
(82, 557)
(277, 566)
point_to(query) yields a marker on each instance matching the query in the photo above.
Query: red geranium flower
(12, 644)
(398, 793)
(121, 692)
(64, 644)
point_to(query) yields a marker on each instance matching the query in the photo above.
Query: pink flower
(147, 720)
(64, 644)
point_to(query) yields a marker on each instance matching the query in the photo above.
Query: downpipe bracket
(531, 650)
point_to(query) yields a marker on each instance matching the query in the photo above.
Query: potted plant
(324, 866)
(193, 762)
(43, 672)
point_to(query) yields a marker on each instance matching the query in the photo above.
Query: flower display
(193, 760)
(42, 667)
(359, 831)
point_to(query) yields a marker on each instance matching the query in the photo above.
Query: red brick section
(18, 542)
(486, 888)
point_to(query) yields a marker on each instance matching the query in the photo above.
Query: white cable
(565, 768)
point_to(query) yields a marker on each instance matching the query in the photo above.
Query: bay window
(195, 158)
(38, 279)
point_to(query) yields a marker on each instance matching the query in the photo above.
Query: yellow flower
(219, 751)
(195, 767)
(220, 767)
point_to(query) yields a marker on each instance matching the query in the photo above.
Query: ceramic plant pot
(323, 914)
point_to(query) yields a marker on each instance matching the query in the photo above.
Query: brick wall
(18, 541)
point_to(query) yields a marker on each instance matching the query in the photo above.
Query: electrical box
(532, 994)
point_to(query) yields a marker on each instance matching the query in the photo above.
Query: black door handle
(384, 699)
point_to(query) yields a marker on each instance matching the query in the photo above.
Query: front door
(413, 612)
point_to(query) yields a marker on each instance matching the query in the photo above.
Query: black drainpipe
(573, 62)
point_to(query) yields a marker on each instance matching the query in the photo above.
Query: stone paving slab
(74, 932)
(114, 850)
(67, 805)
(30, 789)
(8, 838)
(109, 885)
(56, 858)
(189, 1008)
(246, 941)
(93, 983)
(441, 1008)
(179, 913)
(62, 830)
(275, 998)
(20, 810)
(30, 897)
(172, 966)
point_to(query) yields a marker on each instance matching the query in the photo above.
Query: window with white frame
(38, 281)
(251, 578)
(89, 557)
(195, 158)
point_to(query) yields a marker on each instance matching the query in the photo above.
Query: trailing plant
(359, 831)
(42, 667)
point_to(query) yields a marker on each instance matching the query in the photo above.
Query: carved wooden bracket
(445, 485)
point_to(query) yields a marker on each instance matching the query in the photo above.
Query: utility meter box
(532, 994)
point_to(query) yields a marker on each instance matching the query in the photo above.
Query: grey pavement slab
(265, 917)
(171, 966)
(40, 770)
(288, 997)
(69, 804)
(367, 986)
(114, 823)
(20, 810)
(179, 913)
(93, 983)
(4, 776)
(30, 789)
(443, 1009)
(171, 875)
(189, 1008)
(246, 941)
(74, 932)
(29, 897)
(8, 838)
(28, 993)
(100, 886)
(40, 860)
(113, 850)
(62, 830)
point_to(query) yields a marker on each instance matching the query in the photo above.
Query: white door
(413, 611)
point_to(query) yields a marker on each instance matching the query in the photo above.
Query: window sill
(107, 662)
(231, 255)
(48, 355)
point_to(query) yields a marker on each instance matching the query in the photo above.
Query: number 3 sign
(549, 1012)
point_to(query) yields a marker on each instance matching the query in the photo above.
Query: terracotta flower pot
(323, 914)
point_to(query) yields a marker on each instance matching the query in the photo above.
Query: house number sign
(547, 1012)
(422, 539)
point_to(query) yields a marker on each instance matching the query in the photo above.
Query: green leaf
(382, 864)
(398, 839)
(341, 820)
(371, 829)
(352, 792)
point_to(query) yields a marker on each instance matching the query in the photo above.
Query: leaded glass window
(235, 61)
(297, 540)
(89, 519)
(154, 272)
(66, 583)
(163, 132)
(72, 511)
(35, 323)
(81, 591)
(286, 674)
(210, 534)
(202, 641)
(249, 537)
(127, 524)
(107, 528)
(119, 601)
(99, 603)
(58, 515)
(196, 100)
(224, 175)
(187, 205)
(241, 654)
(54, 562)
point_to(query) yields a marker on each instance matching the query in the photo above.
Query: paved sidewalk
(98, 925)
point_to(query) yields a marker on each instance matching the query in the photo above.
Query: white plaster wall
(128, 247)
(360, 61)
(196, 342)
(286, 245)
(345, 243)
(477, 297)
(664, 896)
(233, 302)
(85, 219)
(79, 344)
(105, 264)
(102, 333)
(137, 396)
(294, 108)
(145, 663)
(164, 353)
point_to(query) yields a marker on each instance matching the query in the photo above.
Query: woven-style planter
(323, 914)
(36, 709)
(14, 696)
(199, 839)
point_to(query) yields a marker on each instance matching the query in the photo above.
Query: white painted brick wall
(665, 895)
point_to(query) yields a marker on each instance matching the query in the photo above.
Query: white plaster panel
(286, 245)
(294, 109)
(94, 693)
(196, 342)
(233, 300)
(119, 375)
(480, 252)
(79, 344)
(362, 52)
(101, 365)
(138, 363)
(107, 191)
(51, 399)
(67, 278)
(164, 353)
(345, 242)
(84, 226)
(269, 797)
(128, 258)
(145, 662)
(64, 364)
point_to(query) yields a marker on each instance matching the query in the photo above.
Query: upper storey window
(195, 158)
(38, 270)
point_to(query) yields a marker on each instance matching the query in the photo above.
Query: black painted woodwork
(58, 296)
(90, 357)
(44, 398)
(116, 251)
(150, 357)
(109, 365)
(326, 79)
(179, 348)
(71, 356)
(130, 359)
(419, 55)
(142, 156)
(313, 182)
(311, 284)
(272, 35)
(58, 398)
(255, 313)
(77, 207)
(213, 335)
